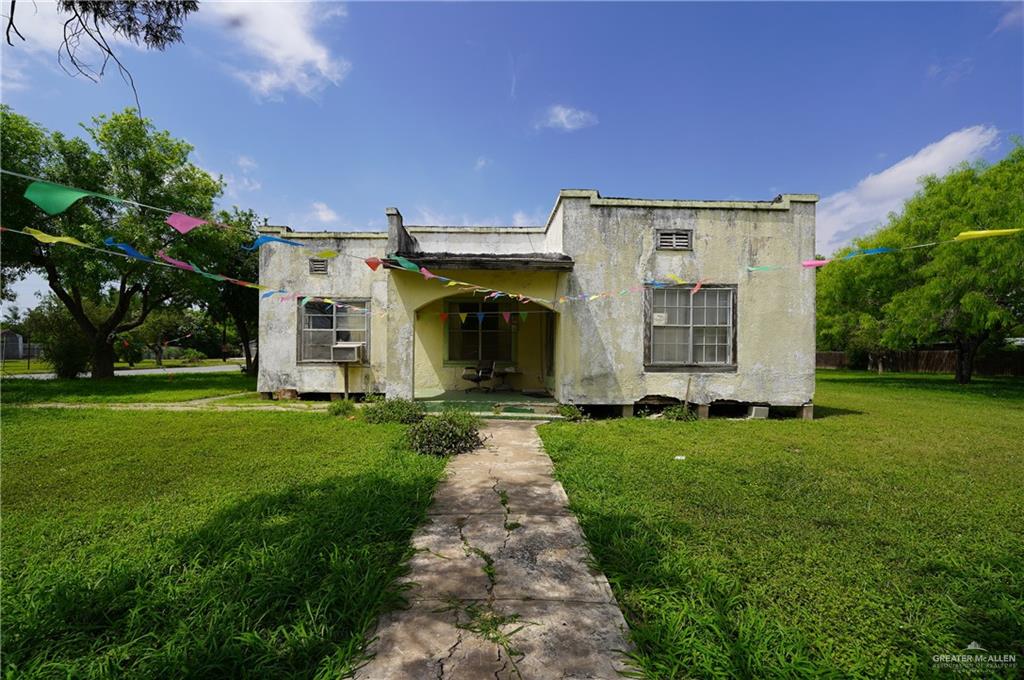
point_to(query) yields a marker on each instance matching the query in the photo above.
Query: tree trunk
(242, 328)
(102, 359)
(965, 353)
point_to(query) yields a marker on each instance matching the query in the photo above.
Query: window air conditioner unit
(347, 352)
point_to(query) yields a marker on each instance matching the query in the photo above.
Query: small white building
(587, 326)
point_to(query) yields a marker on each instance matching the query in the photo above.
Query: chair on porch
(484, 371)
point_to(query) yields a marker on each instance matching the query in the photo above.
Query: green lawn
(157, 544)
(125, 389)
(21, 366)
(858, 545)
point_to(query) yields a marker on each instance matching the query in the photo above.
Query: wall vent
(676, 239)
(317, 266)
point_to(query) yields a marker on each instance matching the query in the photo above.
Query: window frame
(651, 366)
(300, 318)
(451, 308)
(315, 262)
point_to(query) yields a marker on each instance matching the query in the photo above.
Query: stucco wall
(601, 357)
(287, 267)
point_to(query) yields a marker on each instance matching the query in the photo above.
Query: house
(588, 326)
(12, 345)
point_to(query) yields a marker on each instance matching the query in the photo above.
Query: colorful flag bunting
(700, 282)
(183, 223)
(131, 252)
(764, 268)
(463, 316)
(215, 277)
(967, 235)
(55, 199)
(43, 237)
(868, 251)
(815, 263)
(507, 316)
(522, 316)
(480, 317)
(177, 263)
(426, 273)
(444, 317)
(405, 264)
(373, 263)
(270, 239)
(327, 254)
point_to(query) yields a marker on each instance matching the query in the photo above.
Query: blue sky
(321, 115)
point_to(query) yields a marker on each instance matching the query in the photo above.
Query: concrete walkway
(500, 585)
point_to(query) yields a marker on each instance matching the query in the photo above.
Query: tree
(64, 346)
(125, 157)
(160, 327)
(965, 293)
(154, 23)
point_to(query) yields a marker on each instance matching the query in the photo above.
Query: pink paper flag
(177, 263)
(183, 223)
(815, 263)
(507, 316)
(700, 282)
(426, 273)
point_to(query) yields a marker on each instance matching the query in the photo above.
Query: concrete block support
(755, 411)
(807, 412)
(627, 411)
(703, 411)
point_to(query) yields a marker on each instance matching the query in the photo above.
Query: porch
(492, 403)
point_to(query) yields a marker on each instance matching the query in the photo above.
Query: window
(692, 329)
(472, 340)
(317, 266)
(322, 324)
(678, 239)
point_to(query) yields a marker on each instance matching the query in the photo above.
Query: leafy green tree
(160, 327)
(124, 156)
(965, 293)
(64, 346)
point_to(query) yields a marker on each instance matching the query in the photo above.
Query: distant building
(12, 345)
(743, 336)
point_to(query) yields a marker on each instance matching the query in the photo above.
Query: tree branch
(74, 305)
(11, 26)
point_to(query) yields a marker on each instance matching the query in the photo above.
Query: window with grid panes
(692, 329)
(322, 324)
(475, 340)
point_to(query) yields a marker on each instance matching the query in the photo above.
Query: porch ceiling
(556, 262)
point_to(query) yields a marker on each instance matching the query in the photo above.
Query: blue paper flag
(270, 239)
(868, 251)
(131, 252)
(480, 317)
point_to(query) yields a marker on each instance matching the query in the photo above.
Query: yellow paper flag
(49, 238)
(967, 235)
(677, 279)
(463, 316)
(327, 254)
(454, 283)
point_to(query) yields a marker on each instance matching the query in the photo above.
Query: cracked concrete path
(500, 586)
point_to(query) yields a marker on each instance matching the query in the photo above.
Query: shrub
(192, 356)
(446, 434)
(571, 412)
(344, 407)
(679, 412)
(401, 411)
(64, 345)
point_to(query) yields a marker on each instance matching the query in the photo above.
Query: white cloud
(283, 51)
(323, 213)
(246, 163)
(566, 118)
(481, 163)
(858, 210)
(521, 218)
(951, 71)
(1014, 18)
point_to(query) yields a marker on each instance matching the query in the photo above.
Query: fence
(932, 361)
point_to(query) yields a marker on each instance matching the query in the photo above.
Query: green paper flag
(522, 315)
(405, 263)
(55, 199)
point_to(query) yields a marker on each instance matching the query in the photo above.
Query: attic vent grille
(317, 266)
(681, 239)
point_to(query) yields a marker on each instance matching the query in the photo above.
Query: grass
(858, 545)
(133, 389)
(21, 366)
(158, 544)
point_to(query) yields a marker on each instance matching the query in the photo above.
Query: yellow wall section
(432, 376)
